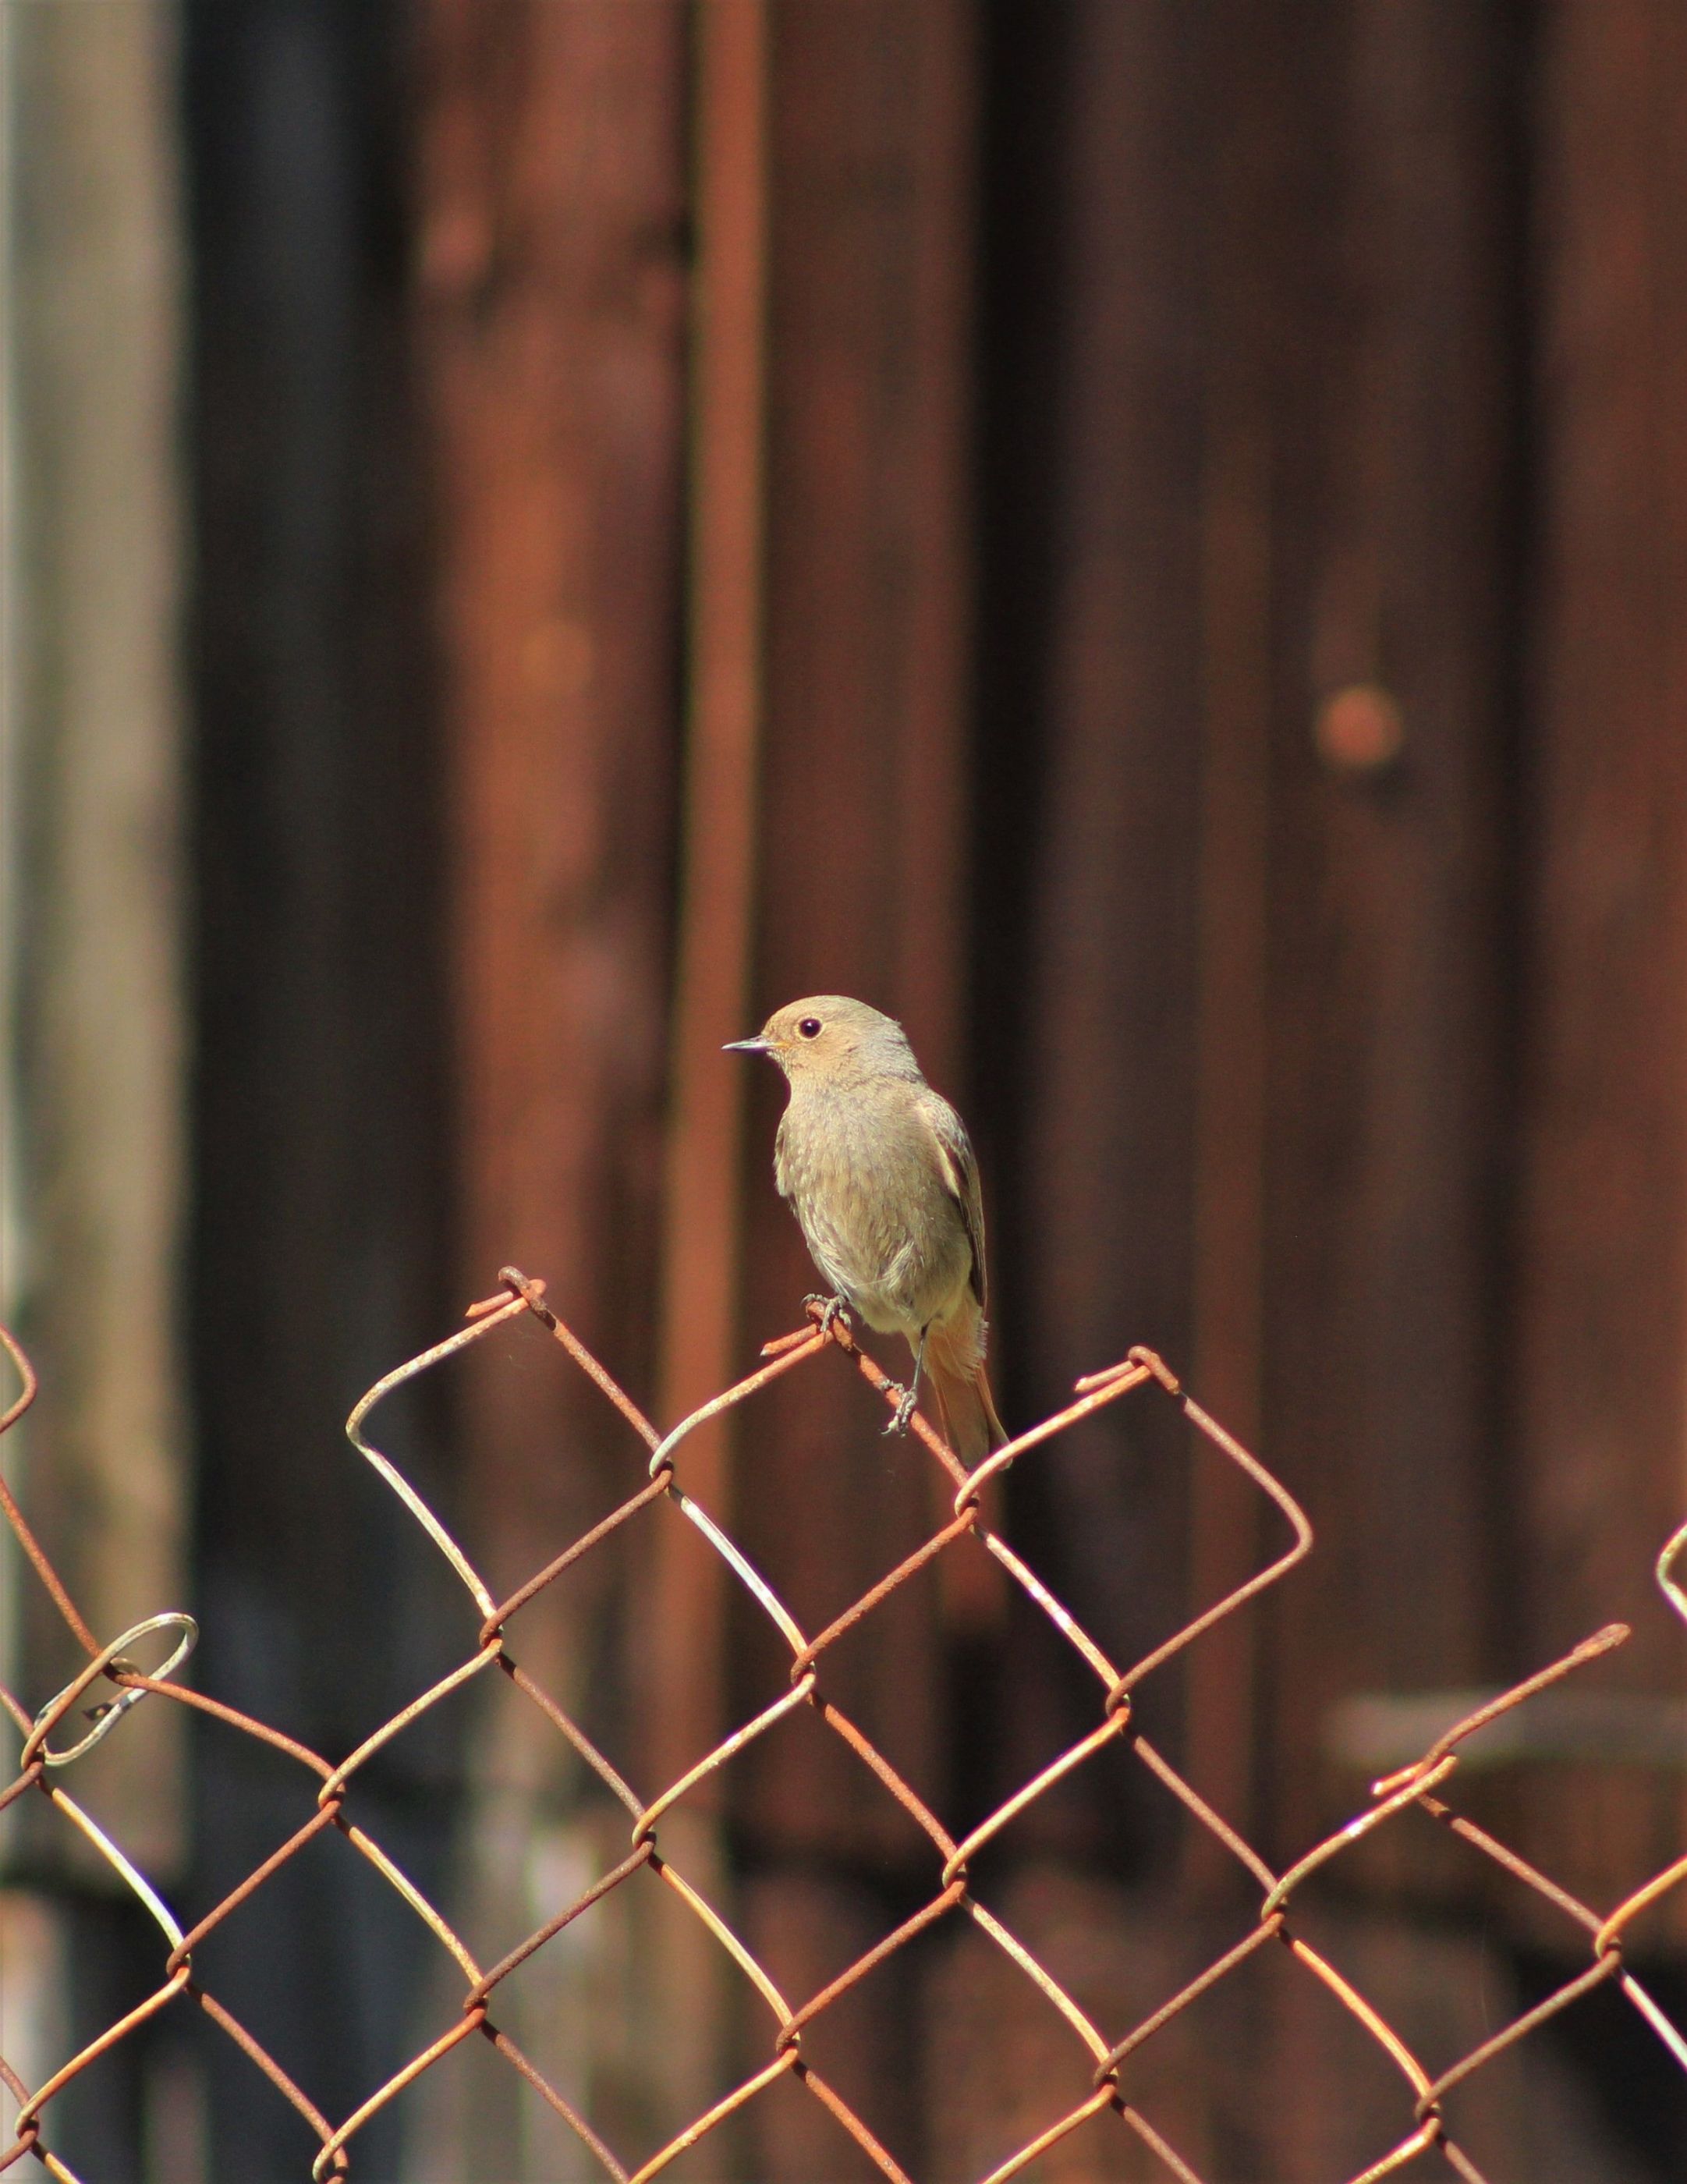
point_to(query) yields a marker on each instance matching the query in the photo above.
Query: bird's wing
(960, 1176)
(782, 1179)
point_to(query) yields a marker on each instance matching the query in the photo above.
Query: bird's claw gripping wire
(831, 1307)
(906, 1398)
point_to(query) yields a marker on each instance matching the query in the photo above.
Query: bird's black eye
(810, 1027)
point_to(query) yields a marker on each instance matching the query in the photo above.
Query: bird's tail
(961, 1387)
(971, 1586)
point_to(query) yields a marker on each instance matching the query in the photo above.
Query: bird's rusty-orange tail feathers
(966, 1409)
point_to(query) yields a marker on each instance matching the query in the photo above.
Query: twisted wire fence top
(1101, 2053)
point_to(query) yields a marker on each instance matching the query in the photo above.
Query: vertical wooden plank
(1389, 987)
(552, 298)
(552, 294)
(704, 1202)
(1092, 703)
(1105, 1213)
(861, 810)
(684, 1648)
(1601, 1401)
(1246, 207)
(862, 833)
(932, 803)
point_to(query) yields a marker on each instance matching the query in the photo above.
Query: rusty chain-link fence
(1100, 2078)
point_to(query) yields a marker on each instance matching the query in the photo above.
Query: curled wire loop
(1101, 2056)
(106, 1718)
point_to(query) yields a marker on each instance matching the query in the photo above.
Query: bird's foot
(831, 1307)
(905, 1400)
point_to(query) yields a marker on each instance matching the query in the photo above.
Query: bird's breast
(864, 1179)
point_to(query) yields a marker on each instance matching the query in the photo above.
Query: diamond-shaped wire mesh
(1100, 2079)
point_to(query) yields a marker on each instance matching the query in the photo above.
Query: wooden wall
(1600, 1275)
(1198, 643)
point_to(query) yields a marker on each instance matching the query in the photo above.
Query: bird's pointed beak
(747, 1046)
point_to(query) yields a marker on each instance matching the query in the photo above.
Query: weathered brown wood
(701, 1244)
(552, 294)
(1239, 457)
(1223, 875)
(680, 1648)
(862, 809)
(552, 290)
(1100, 1015)
(1264, 1038)
(1389, 986)
(1602, 1396)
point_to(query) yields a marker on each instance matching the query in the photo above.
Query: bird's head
(829, 1035)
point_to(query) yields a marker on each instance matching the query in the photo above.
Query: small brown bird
(879, 1172)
